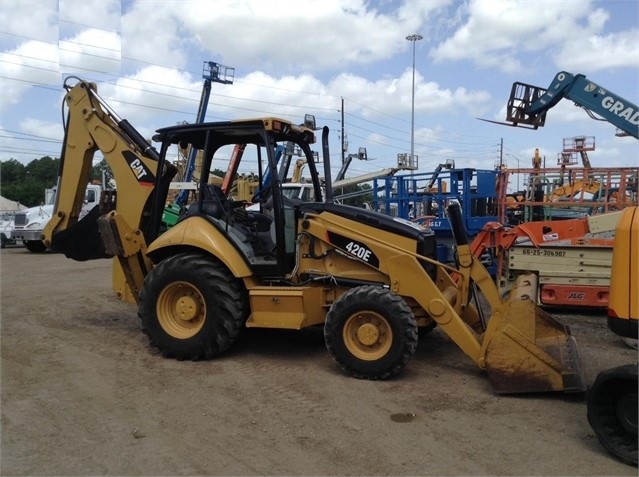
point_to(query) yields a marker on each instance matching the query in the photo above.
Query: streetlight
(414, 38)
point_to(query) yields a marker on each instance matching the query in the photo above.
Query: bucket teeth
(530, 351)
(564, 350)
(554, 366)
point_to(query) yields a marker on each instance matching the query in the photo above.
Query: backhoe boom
(137, 170)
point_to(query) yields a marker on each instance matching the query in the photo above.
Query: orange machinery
(572, 258)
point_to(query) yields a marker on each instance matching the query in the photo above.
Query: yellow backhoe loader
(369, 279)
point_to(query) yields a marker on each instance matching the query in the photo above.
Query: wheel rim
(181, 310)
(367, 335)
(626, 408)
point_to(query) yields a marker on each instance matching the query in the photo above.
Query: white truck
(6, 226)
(29, 223)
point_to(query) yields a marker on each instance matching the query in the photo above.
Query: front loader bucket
(527, 349)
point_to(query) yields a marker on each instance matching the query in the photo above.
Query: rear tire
(370, 332)
(612, 411)
(192, 307)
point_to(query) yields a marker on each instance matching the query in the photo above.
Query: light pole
(414, 38)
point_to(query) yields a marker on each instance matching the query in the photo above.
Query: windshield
(290, 192)
(49, 196)
(304, 192)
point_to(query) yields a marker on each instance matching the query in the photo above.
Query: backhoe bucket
(527, 349)
(82, 240)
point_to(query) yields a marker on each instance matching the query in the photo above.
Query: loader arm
(522, 348)
(125, 223)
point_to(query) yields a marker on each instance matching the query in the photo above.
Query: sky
(348, 62)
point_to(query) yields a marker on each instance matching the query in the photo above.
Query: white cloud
(151, 93)
(297, 36)
(596, 53)
(612, 151)
(31, 63)
(30, 19)
(378, 139)
(150, 34)
(510, 35)
(91, 51)
(41, 129)
(394, 95)
(103, 15)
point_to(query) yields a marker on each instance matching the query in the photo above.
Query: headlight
(33, 225)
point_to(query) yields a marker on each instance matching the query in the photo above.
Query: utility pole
(343, 136)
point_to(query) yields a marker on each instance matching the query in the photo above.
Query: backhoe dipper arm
(91, 126)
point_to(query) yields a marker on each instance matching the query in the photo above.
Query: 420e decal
(355, 248)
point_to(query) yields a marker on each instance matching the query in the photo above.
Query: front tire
(612, 411)
(192, 307)
(370, 332)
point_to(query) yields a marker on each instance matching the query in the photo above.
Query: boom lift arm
(449, 164)
(181, 199)
(361, 155)
(212, 72)
(528, 105)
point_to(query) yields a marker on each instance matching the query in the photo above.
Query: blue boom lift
(528, 105)
(211, 72)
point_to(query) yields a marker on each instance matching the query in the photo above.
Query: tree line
(26, 183)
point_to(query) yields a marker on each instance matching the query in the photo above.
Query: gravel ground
(82, 393)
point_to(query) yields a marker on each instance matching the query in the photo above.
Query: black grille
(20, 219)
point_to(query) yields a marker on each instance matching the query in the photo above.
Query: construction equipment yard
(83, 393)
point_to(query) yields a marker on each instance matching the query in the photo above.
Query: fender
(199, 233)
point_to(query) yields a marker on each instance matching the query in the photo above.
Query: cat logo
(138, 169)
(141, 172)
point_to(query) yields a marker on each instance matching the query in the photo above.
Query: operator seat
(214, 202)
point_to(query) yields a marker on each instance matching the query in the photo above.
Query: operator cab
(262, 226)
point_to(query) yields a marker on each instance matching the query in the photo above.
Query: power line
(24, 134)
(31, 139)
(190, 95)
